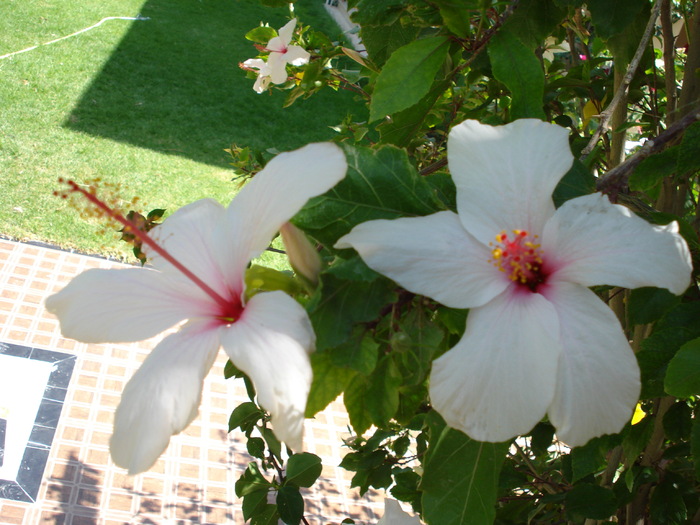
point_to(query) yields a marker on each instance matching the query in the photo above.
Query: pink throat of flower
(520, 256)
(230, 310)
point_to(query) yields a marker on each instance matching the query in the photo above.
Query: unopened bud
(302, 255)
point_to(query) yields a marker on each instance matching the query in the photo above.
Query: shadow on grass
(173, 85)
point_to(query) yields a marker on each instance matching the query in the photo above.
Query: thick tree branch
(616, 179)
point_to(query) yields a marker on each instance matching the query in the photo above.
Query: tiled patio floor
(193, 482)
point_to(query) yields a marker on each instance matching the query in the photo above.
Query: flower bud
(302, 255)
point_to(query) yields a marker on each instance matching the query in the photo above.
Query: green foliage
(453, 495)
(407, 76)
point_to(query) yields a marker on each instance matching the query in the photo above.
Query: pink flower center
(519, 255)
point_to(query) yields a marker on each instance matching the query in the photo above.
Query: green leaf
(244, 416)
(678, 421)
(611, 18)
(457, 16)
(374, 399)
(404, 126)
(667, 506)
(460, 479)
(290, 505)
(590, 501)
(272, 442)
(382, 40)
(576, 182)
(303, 469)
(654, 356)
(649, 304)
(586, 460)
(534, 20)
(328, 382)
(355, 399)
(517, 67)
(251, 481)
(382, 392)
(359, 353)
(407, 76)
(683, 373)
(261, 35)
(256, 447)
(415, 344)
(380, 184)
(338, 305)
(688, 158)
(254, 503)
(268, 516)
(647, 176)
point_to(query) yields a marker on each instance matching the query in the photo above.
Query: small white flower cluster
(281, 53)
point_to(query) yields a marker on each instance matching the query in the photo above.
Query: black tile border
(36, 453)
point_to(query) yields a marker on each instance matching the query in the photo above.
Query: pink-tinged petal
(273, 197)
(296, 56)
(505, 175)
(100, 306)
(271, 343)
(593, 242)
(598, 376)
(277, 45)
(163, 396)
(498, 381)
(394, 514)
(187, 236)
(287, 31)
(432, 256)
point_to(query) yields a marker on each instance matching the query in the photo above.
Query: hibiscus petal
(187, 236)
(394, 514)
(505, 175)
(296, 56)
(273, 197)
(598, 376)
(163, 396)
(593, 242)
(432, 256)
(499, 380)
(277, 68)
(286, 32)
(100, 306)
(270, 343)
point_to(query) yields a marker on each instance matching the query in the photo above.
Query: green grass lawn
(147, 105)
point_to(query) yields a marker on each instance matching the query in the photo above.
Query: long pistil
(146, 239)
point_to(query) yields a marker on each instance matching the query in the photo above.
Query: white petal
(296, 56)
(598, 377)
(163, 396)
(593, 242)
(273, 197)
(255, 63)
(394, 514)
(271, 343)
(505, 175)
(100, 306)
(277, 68)
(432, 256)
(287, 31)
(499, 380)
(187, 236)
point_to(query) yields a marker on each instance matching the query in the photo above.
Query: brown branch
(669, 60)
(621, 92)
(615, 180)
